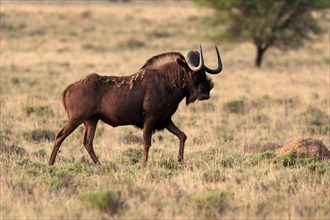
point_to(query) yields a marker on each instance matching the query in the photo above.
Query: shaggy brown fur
(146, 99)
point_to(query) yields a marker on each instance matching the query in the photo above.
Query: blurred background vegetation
(284, 24)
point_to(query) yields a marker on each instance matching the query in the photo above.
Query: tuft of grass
(39, 135)
(232, 160)
(258, 158)
(213, 176)
(44, 110)
(168, 163)
(15, 80)
(109, 201)
(12, 150)
(40, 153)
(225, 138)
(234, 106)
(132, 156)
(213, 204)
(131, 44)
(95, 48)
(157, 174)
(208, 107)
(130, 138)
(317, 167)
(61, 180)
(293, 159)
(325, 128)
(287, 160)
(160, 33)
(315, 119)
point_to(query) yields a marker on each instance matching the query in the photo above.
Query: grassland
(230, 168)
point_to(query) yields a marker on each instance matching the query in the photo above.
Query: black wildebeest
(146, 99)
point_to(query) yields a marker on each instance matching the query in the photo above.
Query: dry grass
(230, 171)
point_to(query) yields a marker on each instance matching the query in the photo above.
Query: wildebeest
(146, 99)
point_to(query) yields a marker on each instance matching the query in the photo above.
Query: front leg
(171, 127)
(147, 133)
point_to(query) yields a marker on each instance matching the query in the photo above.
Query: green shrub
(108, 201)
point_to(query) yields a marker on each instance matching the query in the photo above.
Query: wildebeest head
(194, 64)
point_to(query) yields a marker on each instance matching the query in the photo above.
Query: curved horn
(219, 68)
(201, 61)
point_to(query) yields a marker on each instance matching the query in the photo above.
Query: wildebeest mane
(161, 59)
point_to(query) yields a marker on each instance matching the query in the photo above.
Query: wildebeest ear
(182, 63)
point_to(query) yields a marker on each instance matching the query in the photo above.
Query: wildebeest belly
(121, 107)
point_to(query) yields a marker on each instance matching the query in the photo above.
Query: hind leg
(69, 127)
(90, 128)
